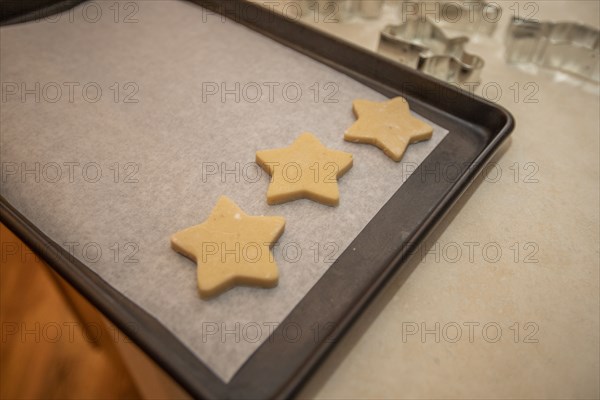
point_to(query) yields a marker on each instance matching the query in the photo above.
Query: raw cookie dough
(387, 125)
(306, 169)
(231, 248)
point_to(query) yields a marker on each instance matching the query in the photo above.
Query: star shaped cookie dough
(387, 125)
(231, 248)
(306, 169)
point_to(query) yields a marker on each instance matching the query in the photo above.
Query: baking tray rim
(178, 357)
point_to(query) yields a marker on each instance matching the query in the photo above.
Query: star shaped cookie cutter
(419, 44)
(564, 46)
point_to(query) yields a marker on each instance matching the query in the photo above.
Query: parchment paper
(170, 148)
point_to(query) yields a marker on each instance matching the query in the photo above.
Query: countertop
(503, 299)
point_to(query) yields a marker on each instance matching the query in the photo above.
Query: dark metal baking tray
(280, 366)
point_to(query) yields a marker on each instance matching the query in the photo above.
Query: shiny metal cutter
(418, 43)
(564, 46)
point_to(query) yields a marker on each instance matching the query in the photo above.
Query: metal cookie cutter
(565, 46)
(418, 43)
(476, 16)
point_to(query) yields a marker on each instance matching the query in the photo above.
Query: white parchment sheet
(117, 133)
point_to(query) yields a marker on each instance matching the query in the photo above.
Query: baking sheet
(170, 149)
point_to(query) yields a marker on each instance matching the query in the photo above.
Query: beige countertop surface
(503, 300)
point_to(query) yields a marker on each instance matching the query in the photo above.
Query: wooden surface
(47, 350)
